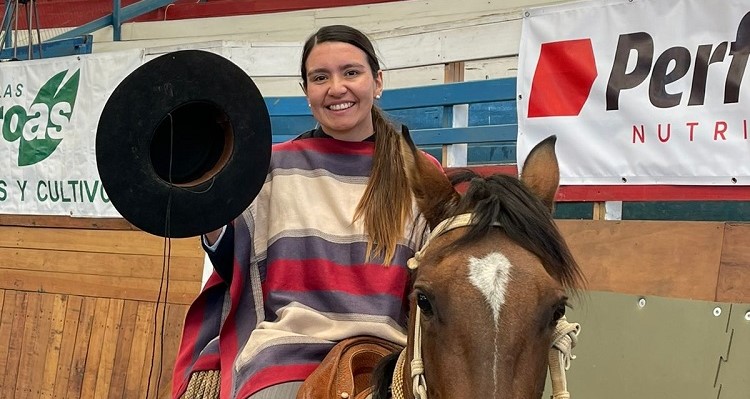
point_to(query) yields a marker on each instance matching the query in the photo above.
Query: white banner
(639, 91)
(50, 110)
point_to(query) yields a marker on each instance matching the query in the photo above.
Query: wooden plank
(151, 354)
(80, 351)
(600, 211)
(734, 273)
(42, 344)
(670, 259)
(105, 241)
(102, 264)
(132, 288)
(67, 345)
(35, 348)
(109, 348)
(15, 343)
(454, 72)
(122, 352)
(10, 310)
(155, 353)
(140, 351)
(66, 222)
(172, 335)
(52, 356)
(95, 345)
(27, 341)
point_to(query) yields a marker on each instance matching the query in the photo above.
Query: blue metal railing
(491, 133)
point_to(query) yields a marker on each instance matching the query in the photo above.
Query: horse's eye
(424, 304)
(559, 312)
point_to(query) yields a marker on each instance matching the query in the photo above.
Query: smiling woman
(320, 256)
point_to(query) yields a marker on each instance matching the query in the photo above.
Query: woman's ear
(379, 83)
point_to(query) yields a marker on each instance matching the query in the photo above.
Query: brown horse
(489, 287)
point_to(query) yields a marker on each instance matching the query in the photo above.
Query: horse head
(490, 284)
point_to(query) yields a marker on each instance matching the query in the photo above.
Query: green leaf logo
(40, 127)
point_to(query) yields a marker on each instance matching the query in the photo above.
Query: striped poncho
(299, 279)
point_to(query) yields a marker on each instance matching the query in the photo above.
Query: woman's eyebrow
(352, 65)
(317, 70)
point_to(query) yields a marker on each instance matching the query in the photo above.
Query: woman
(320, 255)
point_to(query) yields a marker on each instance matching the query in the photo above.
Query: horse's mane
(505, 200)
(382, 376)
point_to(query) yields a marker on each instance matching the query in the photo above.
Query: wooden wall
(80, 317)
(707, 261)
(79, 305)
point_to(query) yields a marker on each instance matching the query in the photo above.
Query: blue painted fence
(428, 112)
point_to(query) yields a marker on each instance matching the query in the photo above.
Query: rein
(564, 339)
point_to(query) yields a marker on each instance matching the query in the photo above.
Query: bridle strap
(445, 226)
(418, 384)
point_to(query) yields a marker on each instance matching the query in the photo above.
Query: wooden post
(454, 72)
(599, 211)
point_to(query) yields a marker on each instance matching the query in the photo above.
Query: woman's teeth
(339, 107)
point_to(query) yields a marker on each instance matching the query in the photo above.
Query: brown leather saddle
(345, 372)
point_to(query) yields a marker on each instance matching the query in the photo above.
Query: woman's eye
(351, 73)
(424, 305)
(318, 78)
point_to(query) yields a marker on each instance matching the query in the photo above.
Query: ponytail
(386, 204)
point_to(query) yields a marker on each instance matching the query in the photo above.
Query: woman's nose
(338, 86)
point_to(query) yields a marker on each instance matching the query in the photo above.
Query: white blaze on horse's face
(491, 275)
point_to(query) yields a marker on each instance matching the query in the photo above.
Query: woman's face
(341, 89)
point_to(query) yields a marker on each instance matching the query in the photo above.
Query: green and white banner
(50, 110)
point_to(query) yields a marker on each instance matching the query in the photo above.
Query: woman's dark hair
(387, 202)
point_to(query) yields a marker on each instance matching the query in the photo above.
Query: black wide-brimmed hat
(183, 144)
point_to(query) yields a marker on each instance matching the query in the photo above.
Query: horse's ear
(435, 196)
(541, 172)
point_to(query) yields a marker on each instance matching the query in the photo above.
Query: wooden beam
(101, 241)
(66, 222)
(132, 288)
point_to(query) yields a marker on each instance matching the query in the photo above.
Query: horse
(489, 287)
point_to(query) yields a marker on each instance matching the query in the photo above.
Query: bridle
(564, 338)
